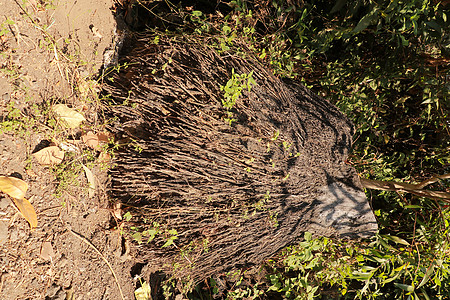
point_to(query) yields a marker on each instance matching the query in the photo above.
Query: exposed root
(231, 194)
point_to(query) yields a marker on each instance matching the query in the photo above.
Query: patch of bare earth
(48, 51)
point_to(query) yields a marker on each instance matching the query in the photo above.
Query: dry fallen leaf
(95, 140)
(91, 180)
(68, 147)
(49, 156)
(71, 117)
(47, 251)
(91, 140)
(27, 211)
(14, 187)
(96, 32)
(104, 157)
(103, 137)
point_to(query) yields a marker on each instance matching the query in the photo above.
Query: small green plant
(67, 174)
(5, 26)
(147, 234)
(233, 90)
(260, 204)
(15, 121)
(137, 147)
(241, 290)
(245, 293)
(168, 288)
(198, 18)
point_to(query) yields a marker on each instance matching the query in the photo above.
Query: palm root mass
(209, 195)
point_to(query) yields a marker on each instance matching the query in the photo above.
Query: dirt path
(48, 51)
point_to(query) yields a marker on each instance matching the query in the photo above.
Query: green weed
(233, 90)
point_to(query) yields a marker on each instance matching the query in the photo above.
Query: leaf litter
(69, 116)
(16, 188)
(95, 141)
(49, 156)
(91, 181)
(47, 251)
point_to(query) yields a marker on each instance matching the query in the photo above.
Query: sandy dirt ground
(49, 51)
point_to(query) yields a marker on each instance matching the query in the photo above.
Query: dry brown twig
(416, 189)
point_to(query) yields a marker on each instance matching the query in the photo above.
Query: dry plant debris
(95, 141)
(49, 156)
(91, 181)
(69, 116)
(16, 188)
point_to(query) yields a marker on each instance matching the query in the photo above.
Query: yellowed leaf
(14, 187)
(49, 156)
(27, 211)
(91, 181)
(144, 292)
(71, 117)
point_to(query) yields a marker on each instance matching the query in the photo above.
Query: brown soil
(47, 55)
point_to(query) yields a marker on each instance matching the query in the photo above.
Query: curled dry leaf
(117, 211)
(96, 32)
(49, 156)
(14, 187)
(95, 140)
(71, 117)
(27, 211)
(91, 140)
(91, 181)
